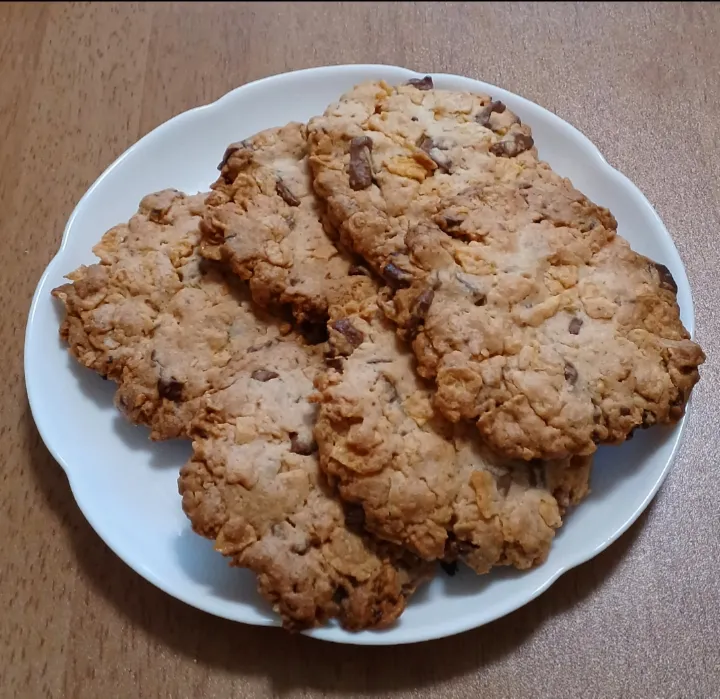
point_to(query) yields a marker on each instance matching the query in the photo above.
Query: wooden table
(79, 83)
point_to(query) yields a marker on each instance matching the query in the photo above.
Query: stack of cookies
(395, 338)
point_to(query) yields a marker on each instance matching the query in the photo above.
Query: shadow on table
(295, 661)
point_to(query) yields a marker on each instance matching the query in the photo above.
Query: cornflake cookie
(264, 221)
(534, 318)
(253, 486)
(423, 482)
(184, 343)
(156, 318)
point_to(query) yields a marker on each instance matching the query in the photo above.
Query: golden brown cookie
(534, 318)
(263, 220)
(154, 317)
(422, 481)
(254, 487)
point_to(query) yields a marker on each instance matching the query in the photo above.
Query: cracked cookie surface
(533, 317)
(422, 481)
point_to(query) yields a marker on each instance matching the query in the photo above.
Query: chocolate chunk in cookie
(666, 278)
(170, 389)
(263, 375)
(575, 325)
(395, 276)
(425, 83)
(360, 167)
(286, 194)
(483, 116)
(348, 331)
(514, 145)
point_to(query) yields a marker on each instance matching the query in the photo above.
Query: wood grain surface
(79, 83)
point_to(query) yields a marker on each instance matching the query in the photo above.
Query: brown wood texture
(80, 82)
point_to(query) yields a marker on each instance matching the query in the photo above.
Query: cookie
(263, 220)
(423, 482)
(156, 318)
(254, 487)
(192, 356)
(534, 318)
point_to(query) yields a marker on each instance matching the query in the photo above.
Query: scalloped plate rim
(332, 633)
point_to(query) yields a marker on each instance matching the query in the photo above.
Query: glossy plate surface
(126, 485)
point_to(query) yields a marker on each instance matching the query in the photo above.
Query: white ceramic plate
(126, 486)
